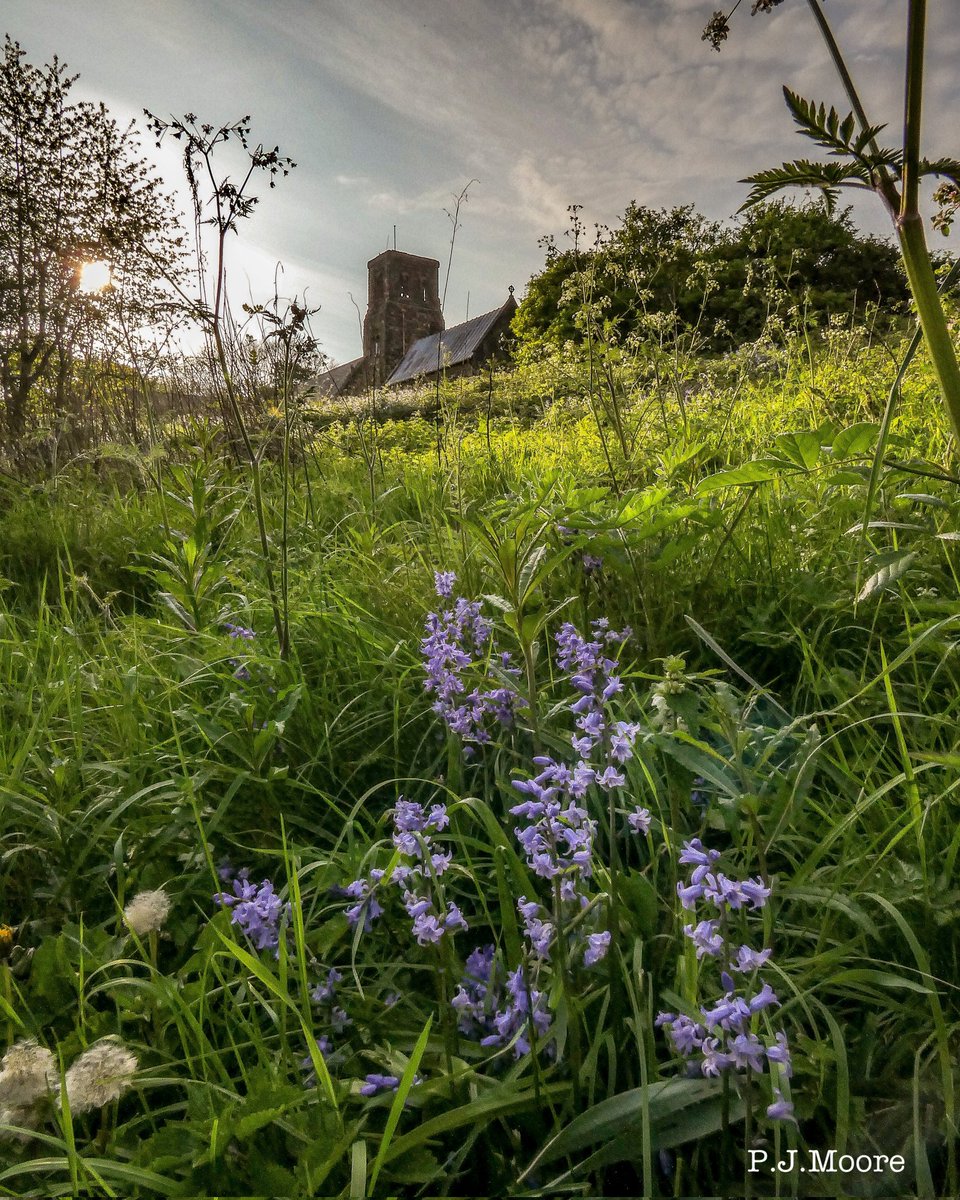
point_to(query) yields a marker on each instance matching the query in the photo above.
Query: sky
(391, 108)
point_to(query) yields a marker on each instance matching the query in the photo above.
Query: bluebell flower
(443, 582)
(728, 1042)
(639, 820)
(375, 1083)
(323, 993)
(780, 1109)
(257, 910)
(512, 1023)
(750, 960)
(706, 938)
(747, 1051)
(779, 1053)
(597, 946)
(539, 932)
(478, 994)
(456, 640)
(367, 906)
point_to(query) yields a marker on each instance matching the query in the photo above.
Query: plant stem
(7, 990)
(886, 187)
(904, 208)
(573, 1019)
(913, 246)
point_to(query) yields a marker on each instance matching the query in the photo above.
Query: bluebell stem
(724, 1039)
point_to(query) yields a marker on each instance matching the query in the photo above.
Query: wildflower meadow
(534, 783)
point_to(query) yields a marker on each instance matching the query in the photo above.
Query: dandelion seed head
(100, 1075)
(147, 912)
(27, 1071)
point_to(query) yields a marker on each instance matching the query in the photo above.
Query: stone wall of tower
(403, 304)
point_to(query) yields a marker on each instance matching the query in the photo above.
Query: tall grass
(144, 741)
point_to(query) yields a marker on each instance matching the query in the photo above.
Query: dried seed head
(27, 1072)
(101, 1074)
(147, 912)
(717, 30)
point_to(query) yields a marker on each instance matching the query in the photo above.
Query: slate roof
(457, 345)
(333, 381)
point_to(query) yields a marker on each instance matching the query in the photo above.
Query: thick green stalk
(904, 207)
(933, 321)
(913, 246)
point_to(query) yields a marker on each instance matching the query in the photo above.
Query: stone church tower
(403, 305)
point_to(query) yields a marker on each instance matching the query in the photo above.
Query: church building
(404, 339)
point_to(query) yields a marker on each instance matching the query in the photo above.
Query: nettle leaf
(887, 575)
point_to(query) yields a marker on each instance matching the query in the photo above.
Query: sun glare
(94, 276)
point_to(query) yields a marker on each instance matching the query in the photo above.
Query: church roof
(457, 345)
(334, 380)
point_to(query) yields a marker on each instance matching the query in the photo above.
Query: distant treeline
(672, 271)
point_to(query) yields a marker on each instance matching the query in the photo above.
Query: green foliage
(73, 190)
(674, 273)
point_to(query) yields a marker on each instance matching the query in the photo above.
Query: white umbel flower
(27, 1072)
(101, 1074)
(147, 912)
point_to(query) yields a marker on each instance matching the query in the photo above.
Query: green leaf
(947, 168)
(826, 128)
(828, 177)
(758, 471)
(680, 1110)
(399, 1100)
(500, 1102)
(801, 448)
(924, 498)
(855, 439)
